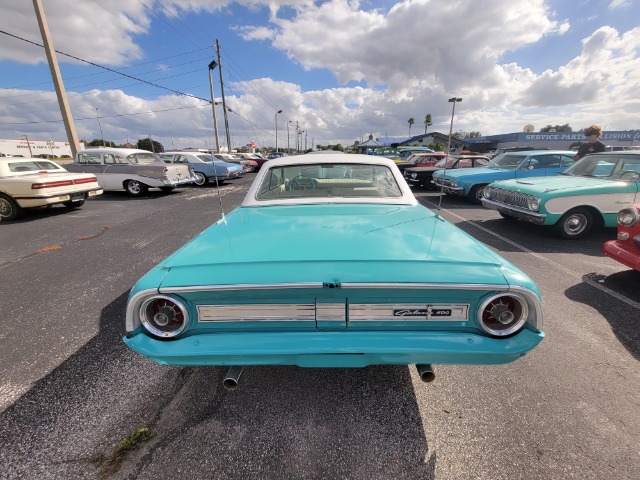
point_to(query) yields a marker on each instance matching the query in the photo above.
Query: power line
(105, 116)
(177, 92)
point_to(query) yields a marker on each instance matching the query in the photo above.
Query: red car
(626, 247)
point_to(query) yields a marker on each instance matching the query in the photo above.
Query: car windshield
(329, 180)
(610, 167)
(142, 158)
(506, 161)
(33, 166)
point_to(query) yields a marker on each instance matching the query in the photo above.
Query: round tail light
(163, 316)
(503, 314)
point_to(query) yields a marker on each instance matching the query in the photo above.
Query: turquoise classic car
(470, 182)
(588, 194)
(352, 271)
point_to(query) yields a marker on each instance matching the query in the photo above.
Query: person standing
(593, 145)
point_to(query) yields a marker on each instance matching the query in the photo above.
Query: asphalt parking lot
(71, 391)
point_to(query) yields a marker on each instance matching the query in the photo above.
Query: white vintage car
(35, 182)
(131, 169)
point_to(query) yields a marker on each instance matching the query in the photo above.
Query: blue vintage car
(469, 182)
(351, 271)
(588, 194)
(206, 167)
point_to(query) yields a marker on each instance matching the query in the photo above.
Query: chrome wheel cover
(575, 224)
(5, 208)
(134, 187)
(200, 179)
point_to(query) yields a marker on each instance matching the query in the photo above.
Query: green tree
(150, 145)
(427, 122)
(437, 146)
(557, 128)
(411, 122)
(97, 142)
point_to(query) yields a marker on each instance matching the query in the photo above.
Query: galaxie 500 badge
(440, 312)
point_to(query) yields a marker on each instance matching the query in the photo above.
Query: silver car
(132, 170)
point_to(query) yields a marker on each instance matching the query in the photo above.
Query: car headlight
(628, 217)
(503, 314)
(533, 203)
(414, 175)
(486, 193)
(163, 316)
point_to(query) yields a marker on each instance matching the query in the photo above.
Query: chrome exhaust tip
(230, 382)
(426, 373)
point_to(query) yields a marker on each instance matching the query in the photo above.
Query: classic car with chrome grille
(588, 194)
(626, 247)
(132, 170)
(34, 182)
(352, 271)
(470, 182)
(422, 175)
(206, 167)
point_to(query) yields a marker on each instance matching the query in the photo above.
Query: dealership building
(551, 140)
(29, 148)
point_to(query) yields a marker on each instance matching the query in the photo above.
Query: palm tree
(427, 122)
(411, 122)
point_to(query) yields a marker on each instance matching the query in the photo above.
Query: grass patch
(110, 464)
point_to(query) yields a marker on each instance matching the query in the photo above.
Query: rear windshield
(32, 166)
(329, 180)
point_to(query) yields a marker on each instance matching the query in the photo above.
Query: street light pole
(288, 149)
(99, 125)
(453, 111)
(276, 116)
(305, 140)
(171, 133)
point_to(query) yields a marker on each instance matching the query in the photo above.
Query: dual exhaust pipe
(230, 381)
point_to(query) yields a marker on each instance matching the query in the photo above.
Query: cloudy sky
(342, 70)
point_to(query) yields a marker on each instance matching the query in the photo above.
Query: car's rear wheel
(71, 204)
(475, 195)
(574, 224)
(9, 209)
(201, 179)
(135, 188)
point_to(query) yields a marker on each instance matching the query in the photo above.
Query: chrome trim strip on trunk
(280, 286)
(239, 286)
(258, 312)
(429, 286)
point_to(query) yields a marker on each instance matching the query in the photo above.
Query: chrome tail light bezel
(137, 314)
(523, 313)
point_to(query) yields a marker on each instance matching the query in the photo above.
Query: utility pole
(28, 145)
(61, 93)
(212, 65)
(224, 105)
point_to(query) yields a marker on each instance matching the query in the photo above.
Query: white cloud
(407, 59)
